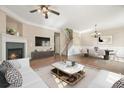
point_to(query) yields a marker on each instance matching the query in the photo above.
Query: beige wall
(76, 39)
(62, 41)
(8, 22)
(29, 32)
(12, 23)
(2, 22)
(116, 33)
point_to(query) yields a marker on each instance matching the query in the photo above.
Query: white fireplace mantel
(10, 38)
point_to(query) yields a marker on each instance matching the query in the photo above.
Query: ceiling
(77, 17)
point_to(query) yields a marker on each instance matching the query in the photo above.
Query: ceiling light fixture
(96, 34)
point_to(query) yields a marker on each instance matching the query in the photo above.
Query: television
(42, 41)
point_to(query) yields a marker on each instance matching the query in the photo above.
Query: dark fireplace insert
(15, 53)
(14, 50)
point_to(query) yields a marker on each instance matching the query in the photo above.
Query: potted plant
(69, 32)
(11, 31)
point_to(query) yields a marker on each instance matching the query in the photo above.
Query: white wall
(116, 33)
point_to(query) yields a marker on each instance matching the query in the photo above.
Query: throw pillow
(96, 49)
(7, 64)
(119, 84)
(3, 82)
(15, 64)
(14, 77)
(3, 68)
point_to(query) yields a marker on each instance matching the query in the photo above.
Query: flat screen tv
(42, 41)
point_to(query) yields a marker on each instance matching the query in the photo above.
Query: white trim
(18, 18)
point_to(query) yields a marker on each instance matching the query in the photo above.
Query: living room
(89, 44)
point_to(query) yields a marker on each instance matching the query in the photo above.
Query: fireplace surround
(14, 45)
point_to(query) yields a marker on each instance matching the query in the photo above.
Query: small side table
(106, 56)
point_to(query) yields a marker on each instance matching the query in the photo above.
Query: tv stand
(41, 54)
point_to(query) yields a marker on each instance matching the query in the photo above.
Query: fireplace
(15, 53)
(14, 50)
(8, 42)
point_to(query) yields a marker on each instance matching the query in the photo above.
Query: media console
(41, 54)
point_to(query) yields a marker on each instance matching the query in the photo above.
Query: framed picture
(107, 40)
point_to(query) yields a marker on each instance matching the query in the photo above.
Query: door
(57, 43)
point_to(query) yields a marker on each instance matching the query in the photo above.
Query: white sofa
(93, 52)
(105, 79)
(30, 77)
(98, 53)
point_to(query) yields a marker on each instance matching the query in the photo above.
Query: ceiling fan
(45, 9)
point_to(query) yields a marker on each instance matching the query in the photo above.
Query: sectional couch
(30, 77)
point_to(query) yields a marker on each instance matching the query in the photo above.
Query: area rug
(53, 82)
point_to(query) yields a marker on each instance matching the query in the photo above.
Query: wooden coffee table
(69, 74)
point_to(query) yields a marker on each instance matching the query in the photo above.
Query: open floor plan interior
(61, 46)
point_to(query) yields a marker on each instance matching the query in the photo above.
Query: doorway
(57, 43)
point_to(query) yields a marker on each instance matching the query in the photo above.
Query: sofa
(93, 52)
(105, 79)
(30, 77)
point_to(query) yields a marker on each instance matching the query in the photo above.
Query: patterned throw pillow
(119, 84)
(7, 64)
(4, 66)
(15, 63)
(14, 77)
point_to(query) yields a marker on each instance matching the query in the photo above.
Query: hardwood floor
(110, 65)
(44, 62)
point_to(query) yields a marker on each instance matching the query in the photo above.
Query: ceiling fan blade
(46, 15)
(32, 11)
(55, 12)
